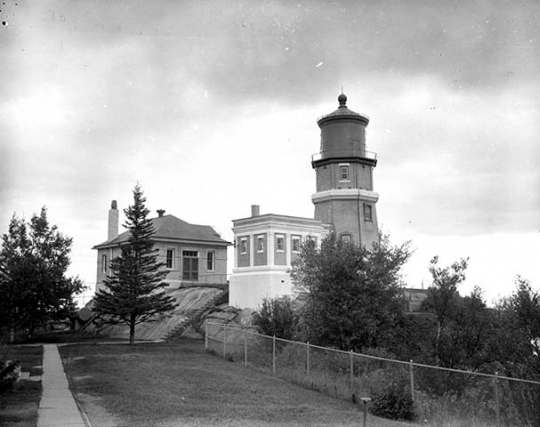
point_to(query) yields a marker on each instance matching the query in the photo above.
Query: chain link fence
(440, 396)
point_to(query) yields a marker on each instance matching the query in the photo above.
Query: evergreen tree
(133, 291)
(34, 289)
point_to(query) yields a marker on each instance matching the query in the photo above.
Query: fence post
(224, 340)
(307, 360)
(411, 370)
(206, 336)
(274, 356)
(351, 365)
(497, 401)
(245, 349)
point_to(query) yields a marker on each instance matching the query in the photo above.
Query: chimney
(160, 212)
(255, 210)
(113, 221)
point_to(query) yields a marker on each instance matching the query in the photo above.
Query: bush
(393, 402)
(9, 373)
(277, 317)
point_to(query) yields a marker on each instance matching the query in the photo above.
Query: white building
(265, 246)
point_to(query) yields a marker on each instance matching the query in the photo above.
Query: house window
(104, 264)
(190, 265)
(367, 212)
(344, 172)
(280, 242)
(210, 260)
(169, 260)
(260, 243)
(243, 245)
(296, 240)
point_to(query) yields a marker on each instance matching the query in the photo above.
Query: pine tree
(133, 292)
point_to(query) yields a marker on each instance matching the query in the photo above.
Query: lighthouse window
(367, 212)
(344, 172)
(346, 239)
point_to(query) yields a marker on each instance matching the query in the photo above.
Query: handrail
(363, 154)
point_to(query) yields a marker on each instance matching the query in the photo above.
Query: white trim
(260, 269)
(345, 194)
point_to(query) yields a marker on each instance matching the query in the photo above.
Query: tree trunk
(132, 330)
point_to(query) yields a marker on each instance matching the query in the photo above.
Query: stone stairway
(193, 317)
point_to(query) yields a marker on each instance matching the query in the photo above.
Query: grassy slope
(19, 407)
(180, 384)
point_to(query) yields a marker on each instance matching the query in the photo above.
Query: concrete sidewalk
(57, 407)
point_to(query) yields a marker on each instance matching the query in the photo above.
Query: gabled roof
(170, 228)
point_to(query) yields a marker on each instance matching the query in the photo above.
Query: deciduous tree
(133, 291)
(351, 295)
(34, 287)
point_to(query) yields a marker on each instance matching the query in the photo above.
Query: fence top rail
(368, 356)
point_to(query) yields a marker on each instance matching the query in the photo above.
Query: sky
(212, 106)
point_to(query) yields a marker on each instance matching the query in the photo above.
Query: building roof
(343, 112)
(170, 228)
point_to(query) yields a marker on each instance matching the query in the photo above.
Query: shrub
(393, 402)
(9, 373)
(277, 317)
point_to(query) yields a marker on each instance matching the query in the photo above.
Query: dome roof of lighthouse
(343, 112)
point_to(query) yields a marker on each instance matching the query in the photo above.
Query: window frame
(368, 212)
(346, 238)
(243, 245)
(104, 264)
(297, 238)
(189, 258)
(172, 251)
(211, 261)
(344, 167)
(260, 243)
(280, 237)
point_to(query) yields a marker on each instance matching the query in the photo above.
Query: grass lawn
(19, 406)
(179, 384)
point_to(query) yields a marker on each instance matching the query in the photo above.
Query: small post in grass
(365, 401)
(307, 360)
(245, 349)
(206, 336)
(351, 366)
(224, 341)
(274, 356)
(411, 370)
(497, 401)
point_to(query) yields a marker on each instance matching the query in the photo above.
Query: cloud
(214, 107)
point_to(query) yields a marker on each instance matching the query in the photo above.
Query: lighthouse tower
(345, 198)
